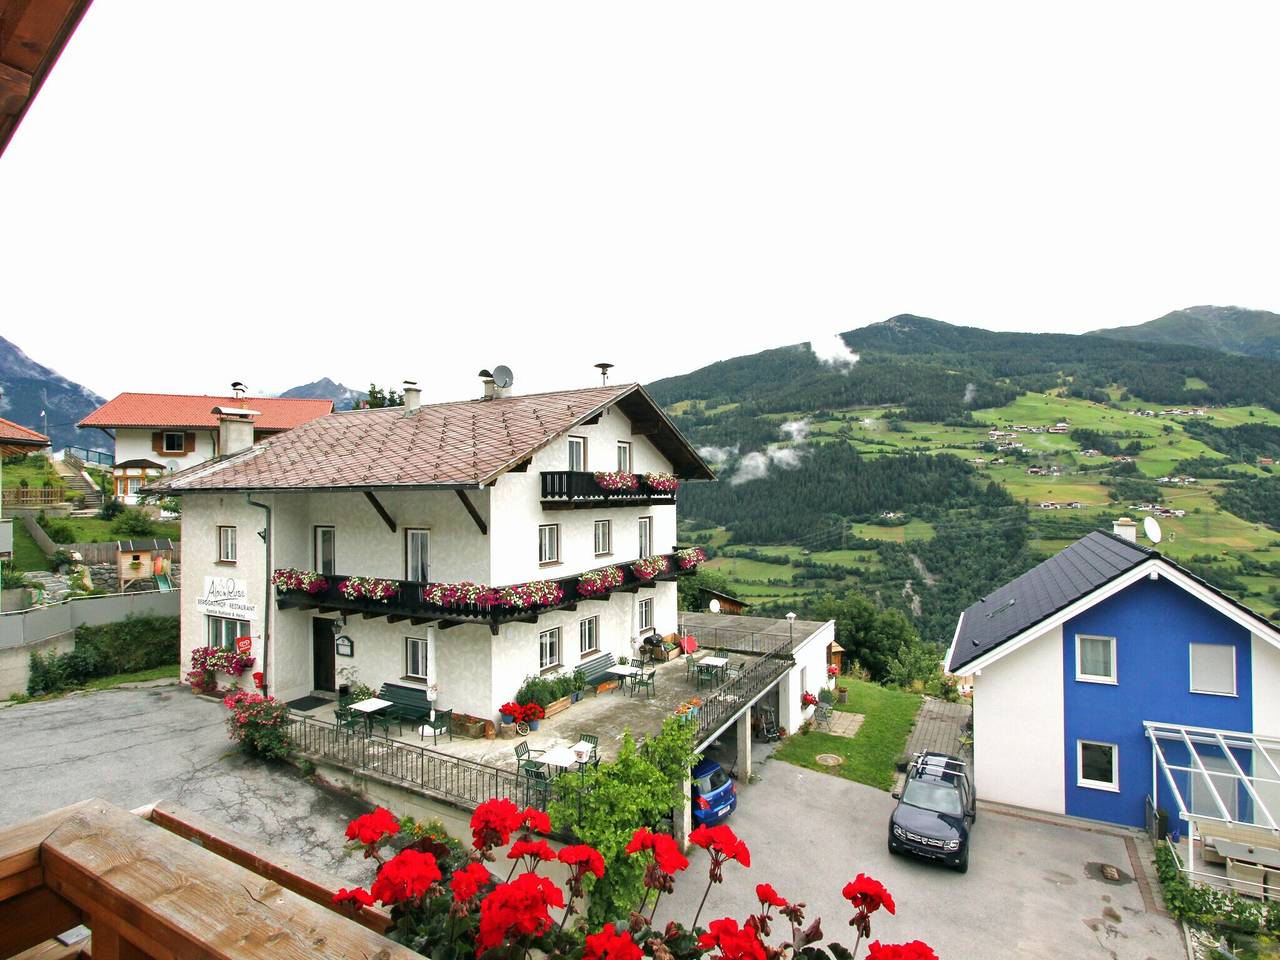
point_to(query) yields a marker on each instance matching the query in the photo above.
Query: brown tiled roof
(11, 432)
(195, 412)
(465, 443)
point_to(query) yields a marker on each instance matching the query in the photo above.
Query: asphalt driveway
(1033, 889)
(138, 746)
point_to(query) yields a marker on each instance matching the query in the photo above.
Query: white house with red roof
(17, 439)
(156, 433)
(452, 548)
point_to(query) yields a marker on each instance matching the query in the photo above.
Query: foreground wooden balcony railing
(406, 600)
(579, 489)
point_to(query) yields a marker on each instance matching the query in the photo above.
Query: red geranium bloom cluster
(833, 671)
(535, 850)
(611, 944)
(406, 876)
(496, 820)
(510, 709)
(359, 897)
(734, 942)
(808, 699)
(531, 711)
(466, 883)
(517, 909)
(372, 828)
(666, 852)
(768, 897)
(915, 950)
(723, 845)
(867, 896)
(583, 859)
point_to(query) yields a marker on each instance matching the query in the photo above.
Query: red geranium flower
(406, 876)
(359, 897)
(868, 894)
(768, 897)
(517, 909)
(533, 849)
(666, 852)
(536, 820)
(466, 883)
(723, 845)
(586, 859)
(735, 943)
(915, 950)
(373, 827)
(493, 823)
(610, 944)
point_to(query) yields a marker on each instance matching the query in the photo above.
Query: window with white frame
(174, 443)
(646, 614)
(646, 536)
(415, 555)
(577, 453)
(222, 632)
(588, 635)
(326, 548)
(1095, 659)
(1098, 765)
(624, 457)
(227, 544)
(549, 543)
(1213, 668)
(604, 537)
(417, 664)
(549, 649)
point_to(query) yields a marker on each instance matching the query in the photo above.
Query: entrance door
(324, 669)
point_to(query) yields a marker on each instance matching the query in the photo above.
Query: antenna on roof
(1151, 527)
(604, 372)
(503, 377)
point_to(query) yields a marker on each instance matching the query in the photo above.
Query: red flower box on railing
(595, 583)
(520, 596)
(307, 581)
(617, 481)
(647, 568)
(690, 558)
(368, 588)
(661, 482)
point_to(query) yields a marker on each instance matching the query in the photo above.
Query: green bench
(596, 670)
(408, 704)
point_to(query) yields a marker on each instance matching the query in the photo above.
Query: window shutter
(188, 442)
(157, 441)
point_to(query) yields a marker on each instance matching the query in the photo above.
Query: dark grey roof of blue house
(1042, 591)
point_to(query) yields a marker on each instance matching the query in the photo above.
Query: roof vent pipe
(238, 390)
(412, 396)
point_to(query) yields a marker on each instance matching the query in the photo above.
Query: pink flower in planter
(617, 481)
(661, 482)
(690, 558)
(646, 568)
(595, 583)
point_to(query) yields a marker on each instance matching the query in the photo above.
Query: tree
(688, 596)
(379, 398)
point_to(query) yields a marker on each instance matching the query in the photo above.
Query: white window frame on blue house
(1082, 781)
(1235, 678)
(1095, 677)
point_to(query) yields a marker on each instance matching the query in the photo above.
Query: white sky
(277, 191)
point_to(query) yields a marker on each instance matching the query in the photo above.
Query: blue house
(1109, 679)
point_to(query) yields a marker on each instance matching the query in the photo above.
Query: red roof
(11, 432)
(466, 443)
(174, 410)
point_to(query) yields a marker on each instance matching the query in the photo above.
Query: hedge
(133, 644)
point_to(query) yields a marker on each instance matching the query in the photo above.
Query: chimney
(500, 391)
(1125, 529)
(238, 390)
(412, 396)
(490, 389)
(235, 429)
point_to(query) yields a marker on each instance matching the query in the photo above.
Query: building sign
(344, 647)
(226, 597)
(244, 645)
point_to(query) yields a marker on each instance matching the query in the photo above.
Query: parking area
(1034, 889)
(134, 747)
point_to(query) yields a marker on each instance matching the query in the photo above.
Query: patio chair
(383, 721)
(648, 681)
(344, 719)
(524, 758)
(822, 716)
(537, 786)
(690, 667)
(1209, 853)
(594, 740)
(443, 723)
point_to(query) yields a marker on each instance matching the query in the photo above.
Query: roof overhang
(32, 37)
(1158, 566)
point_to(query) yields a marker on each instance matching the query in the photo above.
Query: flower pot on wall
(534, 724)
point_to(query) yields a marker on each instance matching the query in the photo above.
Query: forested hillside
(1254, 333)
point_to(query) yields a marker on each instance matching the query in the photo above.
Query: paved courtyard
(1033, 889)
(134, 747)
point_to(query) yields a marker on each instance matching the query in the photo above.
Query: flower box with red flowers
(646, 568)
(617, 481)
(308, 581)
(595, 583)
(690, 557)
(661, 482)
(368, 588)
(532, 712)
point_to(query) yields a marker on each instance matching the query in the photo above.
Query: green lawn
(913, 529)
(871, 756)
(168, 672)
(34, 470)
(94, 530)
(26, 555)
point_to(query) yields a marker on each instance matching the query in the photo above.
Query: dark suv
(935, 810)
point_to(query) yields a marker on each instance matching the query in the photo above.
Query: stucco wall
(1017, 727)
(809, 673)
(1266, 715)
(136, 445)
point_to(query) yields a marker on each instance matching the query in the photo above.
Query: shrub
(11, 579)
(133, 523)
(61, 558)
(258, 724)
(110, 509)
(133, 644)
(539, 690)
(1203, 906)
(59, 530)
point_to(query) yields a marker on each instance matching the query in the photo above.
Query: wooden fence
(33, 496)
(106, 552)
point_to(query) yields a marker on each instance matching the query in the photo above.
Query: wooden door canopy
(32, 35)
(146, 890)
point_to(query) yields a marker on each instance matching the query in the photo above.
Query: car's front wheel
(893, 848)
(962, 865)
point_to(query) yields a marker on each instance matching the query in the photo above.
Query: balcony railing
(578, 489)
(729, 699)
(408, 603)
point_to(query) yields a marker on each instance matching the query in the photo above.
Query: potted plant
(509, 711)
(532, 714)
(579, 685)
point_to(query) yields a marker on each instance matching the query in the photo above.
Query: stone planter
(557, 706)
(842, 694)
(468, 726)
(19, 598)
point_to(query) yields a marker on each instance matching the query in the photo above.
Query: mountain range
(1252, 333)
(343, 397)
(30, 387)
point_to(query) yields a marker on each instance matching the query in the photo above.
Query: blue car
(715, 796)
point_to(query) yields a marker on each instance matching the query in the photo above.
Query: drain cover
(829, 759)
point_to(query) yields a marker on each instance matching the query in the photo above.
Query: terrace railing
(736, 641)
(736, 693)
(456, 780)
(567, 489)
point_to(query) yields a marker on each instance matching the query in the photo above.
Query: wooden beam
(475, 514)
(396, 617)
(34, 917)
(15, 87)
(521, 467)
(382, 511)
(629, 588)
(646, 429)
(418, 621)
(446, 624)
(371, 614)
(53, 950)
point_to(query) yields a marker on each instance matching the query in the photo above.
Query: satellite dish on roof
(503, 377)
(1151, 527)
(714, 605)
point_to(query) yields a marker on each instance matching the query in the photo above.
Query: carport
(1225, 785)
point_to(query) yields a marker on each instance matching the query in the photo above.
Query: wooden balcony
(409, 604)
(578, 490)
